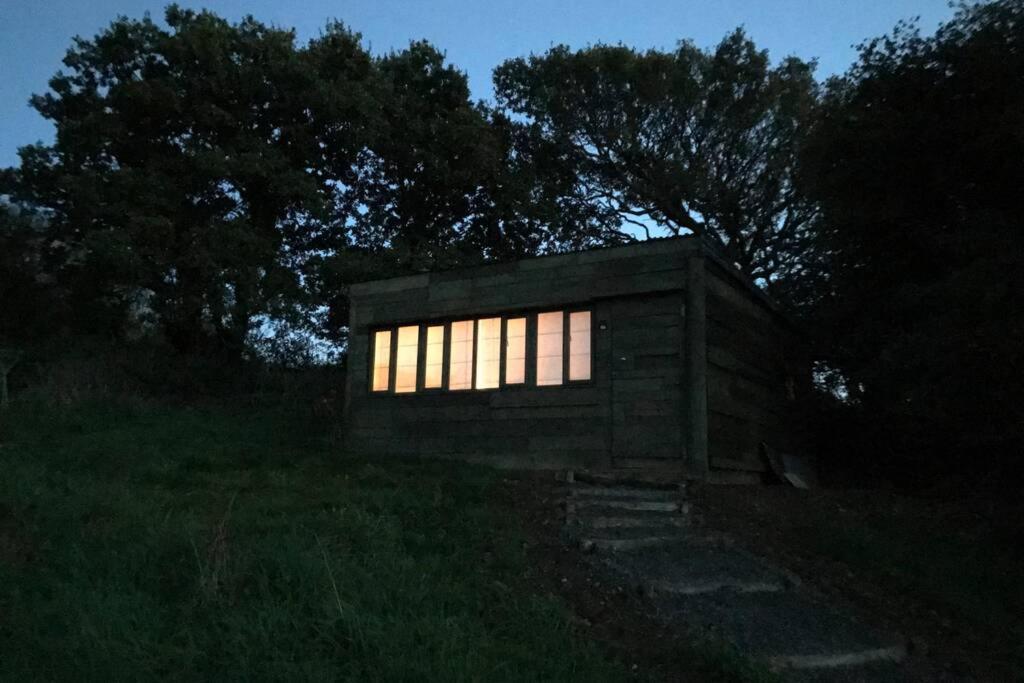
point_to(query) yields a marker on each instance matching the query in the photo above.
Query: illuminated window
(460, 358)
(405, 361)
(381, 360)
(515, 350)
(488, 353)
(435, 357)
(549, 348)
(579, 345)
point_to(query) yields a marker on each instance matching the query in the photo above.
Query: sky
(477, 35)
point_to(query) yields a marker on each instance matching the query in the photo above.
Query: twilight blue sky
(476, 34)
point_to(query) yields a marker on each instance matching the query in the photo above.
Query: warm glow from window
(435, 357)
(549, 348)
(460, 359)
(405, 363)
(381, 360)
(488, 353)
(515, 350)
(579, 345)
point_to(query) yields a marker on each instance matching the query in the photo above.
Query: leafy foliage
(917, 160)
(690, 141)
(218, 175)
(180, 168)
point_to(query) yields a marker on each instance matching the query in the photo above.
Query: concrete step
(696, 563)
(714, 586)
(624, 493)
(653, 464)
(625, 544)
(574, 505)
(894, 654)
(634, 521)
(788, 630)
(655, 478)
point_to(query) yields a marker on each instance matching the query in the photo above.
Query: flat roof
(669, 244)
(680, 243)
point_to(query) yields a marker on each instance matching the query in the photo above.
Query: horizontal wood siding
(568, 425)
(747, 347)
(646, 368)
(554, 281)
(635, 405)
(539, 427)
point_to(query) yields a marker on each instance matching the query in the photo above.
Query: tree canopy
(181, 169)
(208, 177)
(916, 161)
(216, 174)
(687, 141)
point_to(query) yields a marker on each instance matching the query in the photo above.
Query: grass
(142, 542)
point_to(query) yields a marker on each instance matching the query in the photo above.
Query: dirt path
(680, 600)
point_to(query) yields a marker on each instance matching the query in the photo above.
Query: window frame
(420, 352)
(421, 379)
(446, 371)
(503, 369)
(529, 382)
(564, 339)
(372, 355)
(568, 345)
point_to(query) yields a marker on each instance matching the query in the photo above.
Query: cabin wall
(642, 397)
(749, 352)
(647, 377)
(634, 294)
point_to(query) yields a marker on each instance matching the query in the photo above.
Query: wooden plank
(696, 416)
(737, 298)
(734, 395)
(726, 361)
(594, 410)
(574, 395)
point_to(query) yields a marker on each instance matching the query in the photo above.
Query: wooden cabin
(655, 355)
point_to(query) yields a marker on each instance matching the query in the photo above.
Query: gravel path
(651, 539)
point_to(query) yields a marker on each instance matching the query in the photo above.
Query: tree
(917, 160)
(187, 167)
(690, 141)
(27, 300)
(441, 182)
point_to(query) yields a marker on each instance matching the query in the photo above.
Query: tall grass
(151, 541)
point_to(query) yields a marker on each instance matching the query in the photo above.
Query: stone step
(894, 654)
(655, 464)
(633, 505)
(696, 564)
(634, 521)
(624, 493)
(713, 586)
(669, 480)
(786, 629)
(651, 528)
(600, 508)
(625, 544)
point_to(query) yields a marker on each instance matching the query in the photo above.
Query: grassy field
(184, 543)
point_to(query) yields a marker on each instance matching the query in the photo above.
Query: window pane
(460, 359)
(549, 348)
(515, 350)
(579, 345)
(381, 360)
(488, 353)
(435, 355)
(405, 363)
